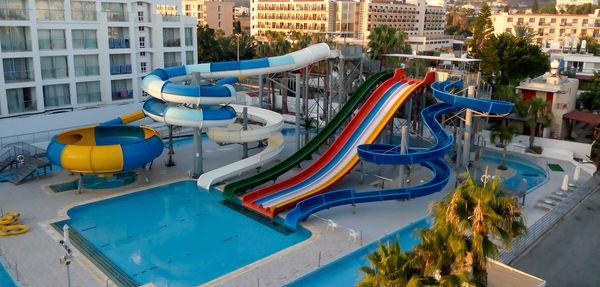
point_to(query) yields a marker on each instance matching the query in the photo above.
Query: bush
(536, 149)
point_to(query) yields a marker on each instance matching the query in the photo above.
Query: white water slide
(208, 106)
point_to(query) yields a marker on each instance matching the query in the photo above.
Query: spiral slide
(339, 159)
(390, 155)
(207, 106)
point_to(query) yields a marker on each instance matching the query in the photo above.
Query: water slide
(114, 146)
(311, 147)
(391, 155)
(109, 147)
(208, 106)
(339, 159)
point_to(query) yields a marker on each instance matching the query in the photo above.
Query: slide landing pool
(178, 234)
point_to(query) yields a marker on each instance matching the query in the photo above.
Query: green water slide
(312, 146)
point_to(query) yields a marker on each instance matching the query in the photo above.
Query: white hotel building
(63, 55)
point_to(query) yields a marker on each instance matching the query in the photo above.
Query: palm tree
(443, 254)
(523, 31)
(384, 40)
(389, 266)
(536, 112)
(480, 213)
(505, 134)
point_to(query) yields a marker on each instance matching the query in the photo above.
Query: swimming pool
(344, 271)
(178, 234)
(5, 279)
(523, 167)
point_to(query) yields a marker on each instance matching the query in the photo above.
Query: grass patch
(555, 167)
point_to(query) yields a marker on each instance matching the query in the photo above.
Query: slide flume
(339, 159)
(312, 146)
(389, 154)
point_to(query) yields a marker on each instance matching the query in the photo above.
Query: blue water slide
(430, 158)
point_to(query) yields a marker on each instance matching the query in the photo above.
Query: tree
(384, 40)
(537, 112)
(513, 59)
(505, 134)
(506, 9)
(207, 44)
(483, 30)
(389, 266)
(442, 252)
(237, 27)
(548, 9)
(535, 6)
(523, 31)
(583, 9)
(479, 213)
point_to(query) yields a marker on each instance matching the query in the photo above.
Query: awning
(584, 117)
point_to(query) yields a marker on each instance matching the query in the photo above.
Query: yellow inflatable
(13, 229)
(10, 218)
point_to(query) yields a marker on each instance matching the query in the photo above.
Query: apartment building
(549, 30)
(352, 21)
(216, 14)
(60, 55)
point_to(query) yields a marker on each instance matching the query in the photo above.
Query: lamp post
(66, 258)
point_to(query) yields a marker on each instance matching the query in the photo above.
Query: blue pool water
(523, 167)
(5, 279)
(344, 271)
(178, 234)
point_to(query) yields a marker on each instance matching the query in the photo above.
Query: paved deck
(36, 253)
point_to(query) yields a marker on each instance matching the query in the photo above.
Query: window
(88, 92)
(121, 89)
(115, 11)
(219, 8)
(57, 95)
(13, 10)
(171, 37)
(219, 16)
(142, 42)
(189, 37)
(118, 37)
(143, 67)
(120, 64)
(21, 100)
(142, 54)
(54, 67)
(140, 3)
(85, 39)
(172, 59)
(83, 10)
(50, 9)
(18, 70)
(141, 28)
(141, 16)
(189, 57)
(52, 39)
(14, 39)
(86, 65)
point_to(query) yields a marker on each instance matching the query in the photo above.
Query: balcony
(88, 70)
(13, 14)
(122, 95)
(118, 43)
(50, 15)
(16, 46)
(84, 15)
(172, 43)
(120, 69)
(18, 76)
(171, 18)
(117, 16)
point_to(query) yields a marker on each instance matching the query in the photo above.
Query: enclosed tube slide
(339, 159)
(207, 106)
(391, 155)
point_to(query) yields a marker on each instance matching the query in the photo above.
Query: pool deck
(36, 253)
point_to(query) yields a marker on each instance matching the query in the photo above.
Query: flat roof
(584, 117)
(433, 58)
(539, 89)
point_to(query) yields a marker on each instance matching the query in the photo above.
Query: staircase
(26, 158)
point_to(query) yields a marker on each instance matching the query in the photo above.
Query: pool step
(111, 270)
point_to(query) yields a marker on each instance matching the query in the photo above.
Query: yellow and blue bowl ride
(107, 148)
